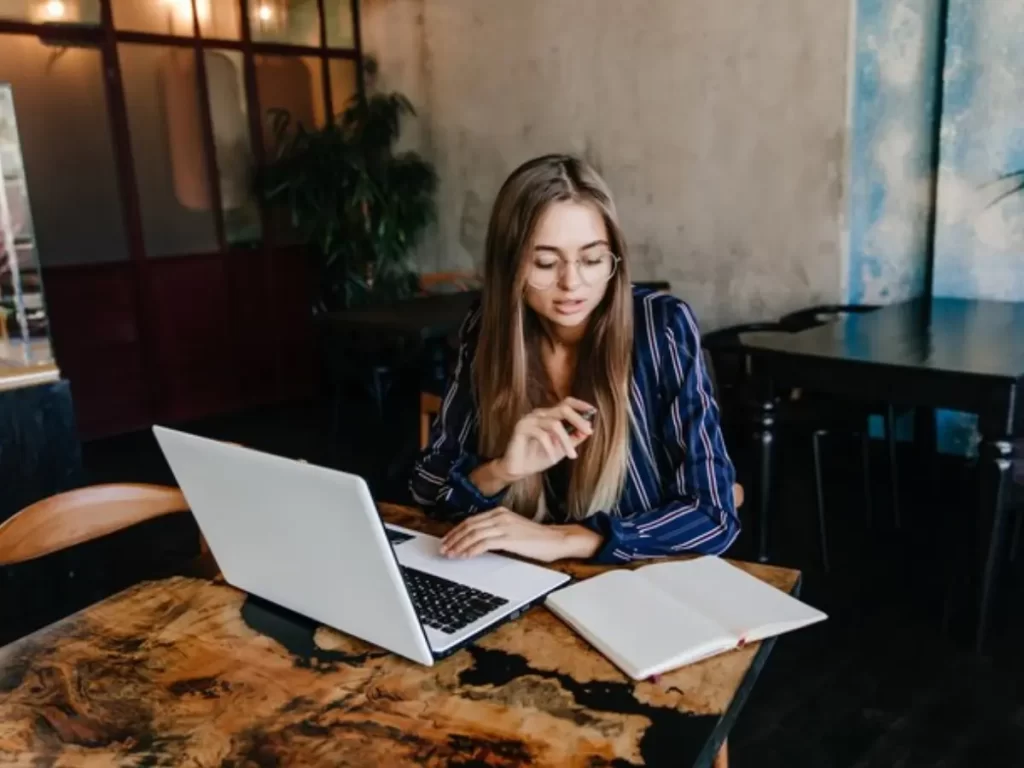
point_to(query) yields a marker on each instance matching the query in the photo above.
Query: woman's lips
(569, 306)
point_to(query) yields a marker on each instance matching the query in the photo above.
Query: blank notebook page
(638, 627)
(747, 606)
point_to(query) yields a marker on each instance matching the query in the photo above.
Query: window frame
(105, 37)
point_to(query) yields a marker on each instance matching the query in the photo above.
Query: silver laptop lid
(301, 536)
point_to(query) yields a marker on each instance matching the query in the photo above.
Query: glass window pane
(285, 21)
(43, 11)
(71, 177)
(229, 117)
(340, 33)
(162, 99)
(343, 83)
(24, 327)
(164, 17)
(220, 19)
(292, 84)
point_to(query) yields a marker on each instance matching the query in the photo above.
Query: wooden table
(189, 671)
(958, 354)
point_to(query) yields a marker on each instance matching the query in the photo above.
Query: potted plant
(359, 206)
(1015, 182)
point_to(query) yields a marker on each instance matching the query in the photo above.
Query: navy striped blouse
(678, 491)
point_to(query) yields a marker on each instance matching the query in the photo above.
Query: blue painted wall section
(979, 247)
(895, 62)
(892, 112)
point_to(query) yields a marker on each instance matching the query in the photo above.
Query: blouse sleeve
(440, 480)
(697, 512)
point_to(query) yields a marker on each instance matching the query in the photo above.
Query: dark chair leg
(995, 464)
(959, 564)
(379, 384)
(819, 488)
(765, 438)
(865, 467)
(334, 436)
(1018, 518)
(890, 436)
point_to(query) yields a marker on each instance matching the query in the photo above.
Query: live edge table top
(190, 671)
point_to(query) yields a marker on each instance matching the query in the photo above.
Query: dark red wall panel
(95, 329)
(195, 336)
(227, 332)
(297, 356)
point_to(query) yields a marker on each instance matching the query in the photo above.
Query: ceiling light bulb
(54, 9)
(265, 12)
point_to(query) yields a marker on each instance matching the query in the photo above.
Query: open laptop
(311, 540)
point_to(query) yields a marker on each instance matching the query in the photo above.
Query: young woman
(580, 420)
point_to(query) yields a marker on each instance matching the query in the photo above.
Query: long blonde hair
(508, 376)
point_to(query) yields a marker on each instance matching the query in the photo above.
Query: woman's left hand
(502, 529)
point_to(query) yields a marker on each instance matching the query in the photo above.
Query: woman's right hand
(540, 439)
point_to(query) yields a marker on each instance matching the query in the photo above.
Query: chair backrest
(440, 282)
(430, 406)
(738, 494)
(66, 519)
(731, 359)
(709, 366)
(654, 285)
(811, 317)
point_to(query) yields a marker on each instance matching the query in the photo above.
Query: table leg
(764, 438)
(995, 462)
(894, 485)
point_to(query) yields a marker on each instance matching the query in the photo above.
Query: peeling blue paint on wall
(895, 62)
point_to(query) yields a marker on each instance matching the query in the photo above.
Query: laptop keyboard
(445, 605)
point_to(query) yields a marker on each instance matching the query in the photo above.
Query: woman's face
(568, 264)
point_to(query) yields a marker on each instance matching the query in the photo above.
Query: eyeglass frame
(564, 264)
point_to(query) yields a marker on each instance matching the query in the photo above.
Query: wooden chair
(430, 406)
(434, 282)
(66, 519)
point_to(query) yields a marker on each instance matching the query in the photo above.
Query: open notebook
(660, 617)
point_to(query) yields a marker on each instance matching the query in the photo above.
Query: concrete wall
(892, 117)
(721, 128)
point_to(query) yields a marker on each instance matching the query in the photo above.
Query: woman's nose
(569, 276)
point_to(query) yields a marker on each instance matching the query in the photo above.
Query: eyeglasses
(593, 269)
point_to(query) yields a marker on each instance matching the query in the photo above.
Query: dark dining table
(368, 343)
(957, 354)
(372, 347)
(415, 319)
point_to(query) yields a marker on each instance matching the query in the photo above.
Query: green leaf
(355, 201)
